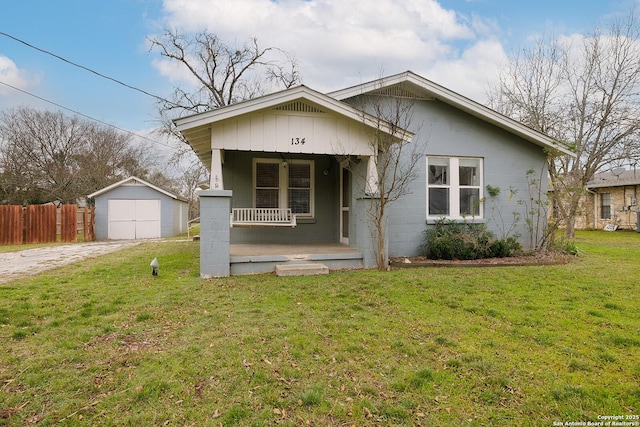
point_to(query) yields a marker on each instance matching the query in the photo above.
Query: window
(284, 184)
(454, 187)
(439, 186)
(267, 185)
(605, 205)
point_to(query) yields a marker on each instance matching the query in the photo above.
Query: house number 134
(298, 141)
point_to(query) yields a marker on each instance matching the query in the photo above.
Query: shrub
(453, 240)
(565, 246)
(502, 248)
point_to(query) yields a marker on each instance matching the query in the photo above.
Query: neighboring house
(611, 200)
(136, 209)
(275, 164)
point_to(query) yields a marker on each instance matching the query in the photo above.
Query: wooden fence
(45, 224)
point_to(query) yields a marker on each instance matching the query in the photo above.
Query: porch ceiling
(200, 141)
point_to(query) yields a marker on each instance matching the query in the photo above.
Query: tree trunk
(570, 231)
(571, 227)
(381, 258)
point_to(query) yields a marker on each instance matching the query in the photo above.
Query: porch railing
(262, 217)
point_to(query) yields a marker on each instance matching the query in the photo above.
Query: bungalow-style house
(611, 200)
(281, 192)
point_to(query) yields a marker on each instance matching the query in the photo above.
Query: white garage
(134, 219)
(136, 209)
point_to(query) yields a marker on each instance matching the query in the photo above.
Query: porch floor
(289, 250)
(262, 258)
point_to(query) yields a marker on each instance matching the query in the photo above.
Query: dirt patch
(537, 259)
(14, 265)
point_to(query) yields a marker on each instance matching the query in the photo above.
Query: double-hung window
(605, 205)
(454, 187)
(284, 184)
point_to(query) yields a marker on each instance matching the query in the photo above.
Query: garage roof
(135, 180)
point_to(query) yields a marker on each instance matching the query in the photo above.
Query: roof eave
(267, 101)
(204, 120)
(133, 178)
(458, 101)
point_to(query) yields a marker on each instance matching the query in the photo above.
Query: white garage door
(134, 219)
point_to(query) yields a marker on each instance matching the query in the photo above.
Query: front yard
(103, 342)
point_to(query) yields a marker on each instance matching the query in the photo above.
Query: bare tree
(48, 156)
(222, 74)
(397, 160)
(16, 178)
(191, 180)
(583, 92)
(108, 155)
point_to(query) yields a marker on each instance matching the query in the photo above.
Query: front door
(345, 201)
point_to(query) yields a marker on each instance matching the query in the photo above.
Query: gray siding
(179, 217)
(170, 219)
(324, 228)
(451, 132)
(447, 132)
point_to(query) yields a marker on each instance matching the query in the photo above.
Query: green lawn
(103, 342)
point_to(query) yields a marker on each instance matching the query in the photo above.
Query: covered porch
(282, 183)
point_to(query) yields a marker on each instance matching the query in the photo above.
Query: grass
(103, 342)
(15, 248)
(22, 247)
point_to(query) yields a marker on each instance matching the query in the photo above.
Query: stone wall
(624, 208)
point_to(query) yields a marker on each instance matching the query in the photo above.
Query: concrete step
(306, 269)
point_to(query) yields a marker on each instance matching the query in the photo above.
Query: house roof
(196, 127)
(134, 180)
(608, 179)
(427, 89)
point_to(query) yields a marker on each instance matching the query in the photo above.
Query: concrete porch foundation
(301, 269)
(252, 259)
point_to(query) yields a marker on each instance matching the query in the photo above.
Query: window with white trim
(284, 184)
(605, 205)
(454, 187)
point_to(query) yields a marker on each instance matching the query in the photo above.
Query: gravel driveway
(14, 265)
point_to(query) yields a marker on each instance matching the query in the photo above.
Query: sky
(459, 44)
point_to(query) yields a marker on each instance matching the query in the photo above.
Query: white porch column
(216, 182)
(372, 176)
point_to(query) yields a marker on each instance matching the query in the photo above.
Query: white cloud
(340, 43)
(473, 72)
(11, 75)
(175, 72)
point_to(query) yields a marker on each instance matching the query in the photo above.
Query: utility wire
(159, 98)
(88, 117)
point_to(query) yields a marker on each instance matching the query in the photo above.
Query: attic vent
(299, 107)
(398, 91)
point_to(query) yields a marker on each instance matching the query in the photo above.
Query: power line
(93, 72)
(86, 116)
(159, 98)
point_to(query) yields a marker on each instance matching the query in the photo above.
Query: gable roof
(608, 179)
(416, 85)
(196, 127)
(134, 180)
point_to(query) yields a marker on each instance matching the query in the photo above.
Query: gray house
(136, 209)
(281, 192)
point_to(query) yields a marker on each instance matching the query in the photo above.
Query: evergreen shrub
(450, 240)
